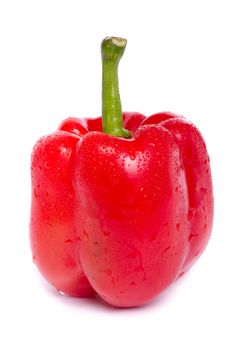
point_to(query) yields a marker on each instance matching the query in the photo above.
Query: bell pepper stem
(112, 49)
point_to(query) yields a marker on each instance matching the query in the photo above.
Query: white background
(179, 57)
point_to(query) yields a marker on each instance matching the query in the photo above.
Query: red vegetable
(124, 211)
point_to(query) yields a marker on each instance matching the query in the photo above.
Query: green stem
(112, 49)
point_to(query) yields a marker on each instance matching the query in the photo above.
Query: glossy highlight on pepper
(122, 205)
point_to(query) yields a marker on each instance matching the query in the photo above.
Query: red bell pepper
(121, 206)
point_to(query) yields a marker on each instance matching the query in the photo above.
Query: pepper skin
(121, 206)
(145, 207)
(53, 235)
